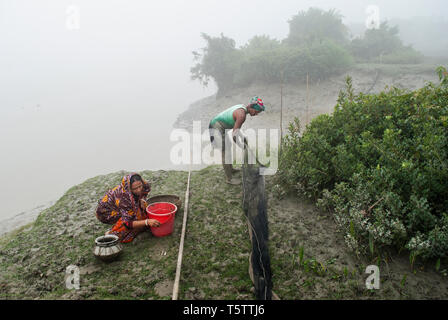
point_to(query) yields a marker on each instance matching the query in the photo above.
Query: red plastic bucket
(164, 212)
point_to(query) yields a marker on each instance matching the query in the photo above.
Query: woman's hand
(153, 223)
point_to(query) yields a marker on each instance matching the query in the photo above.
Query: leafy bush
(317, 46)
(385, 46)
(443, 75)
(263, 59)
(404, 56)
(315, 24)
(322, 53)
(320, 60)
(375, 42)
(327, 58)
(380, 164)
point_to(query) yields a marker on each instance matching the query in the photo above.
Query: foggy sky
(102, 98)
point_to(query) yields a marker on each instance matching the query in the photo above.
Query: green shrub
(384, 45)
(316, 24)
(375, 42)
(219, 60)
(263, 60)
(380, 164)
(405, 56)
(316, 45)
(321, 59)
(288, 161)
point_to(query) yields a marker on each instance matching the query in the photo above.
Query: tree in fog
(219, 60)
(316, 24)
(384, 41)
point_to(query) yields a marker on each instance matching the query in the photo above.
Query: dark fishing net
(255, 209)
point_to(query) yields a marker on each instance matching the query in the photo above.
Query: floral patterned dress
(121, 208)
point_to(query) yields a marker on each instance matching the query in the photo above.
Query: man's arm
(239, 116)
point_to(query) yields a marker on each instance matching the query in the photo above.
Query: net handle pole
(181, 245)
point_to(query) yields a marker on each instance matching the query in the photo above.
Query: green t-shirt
(226, 117)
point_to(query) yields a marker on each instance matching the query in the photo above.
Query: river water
(47, 149)
(80, 101)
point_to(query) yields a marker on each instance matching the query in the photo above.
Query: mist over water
(79, 103)
(76, 103)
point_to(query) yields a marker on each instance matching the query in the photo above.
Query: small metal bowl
(107, 247)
